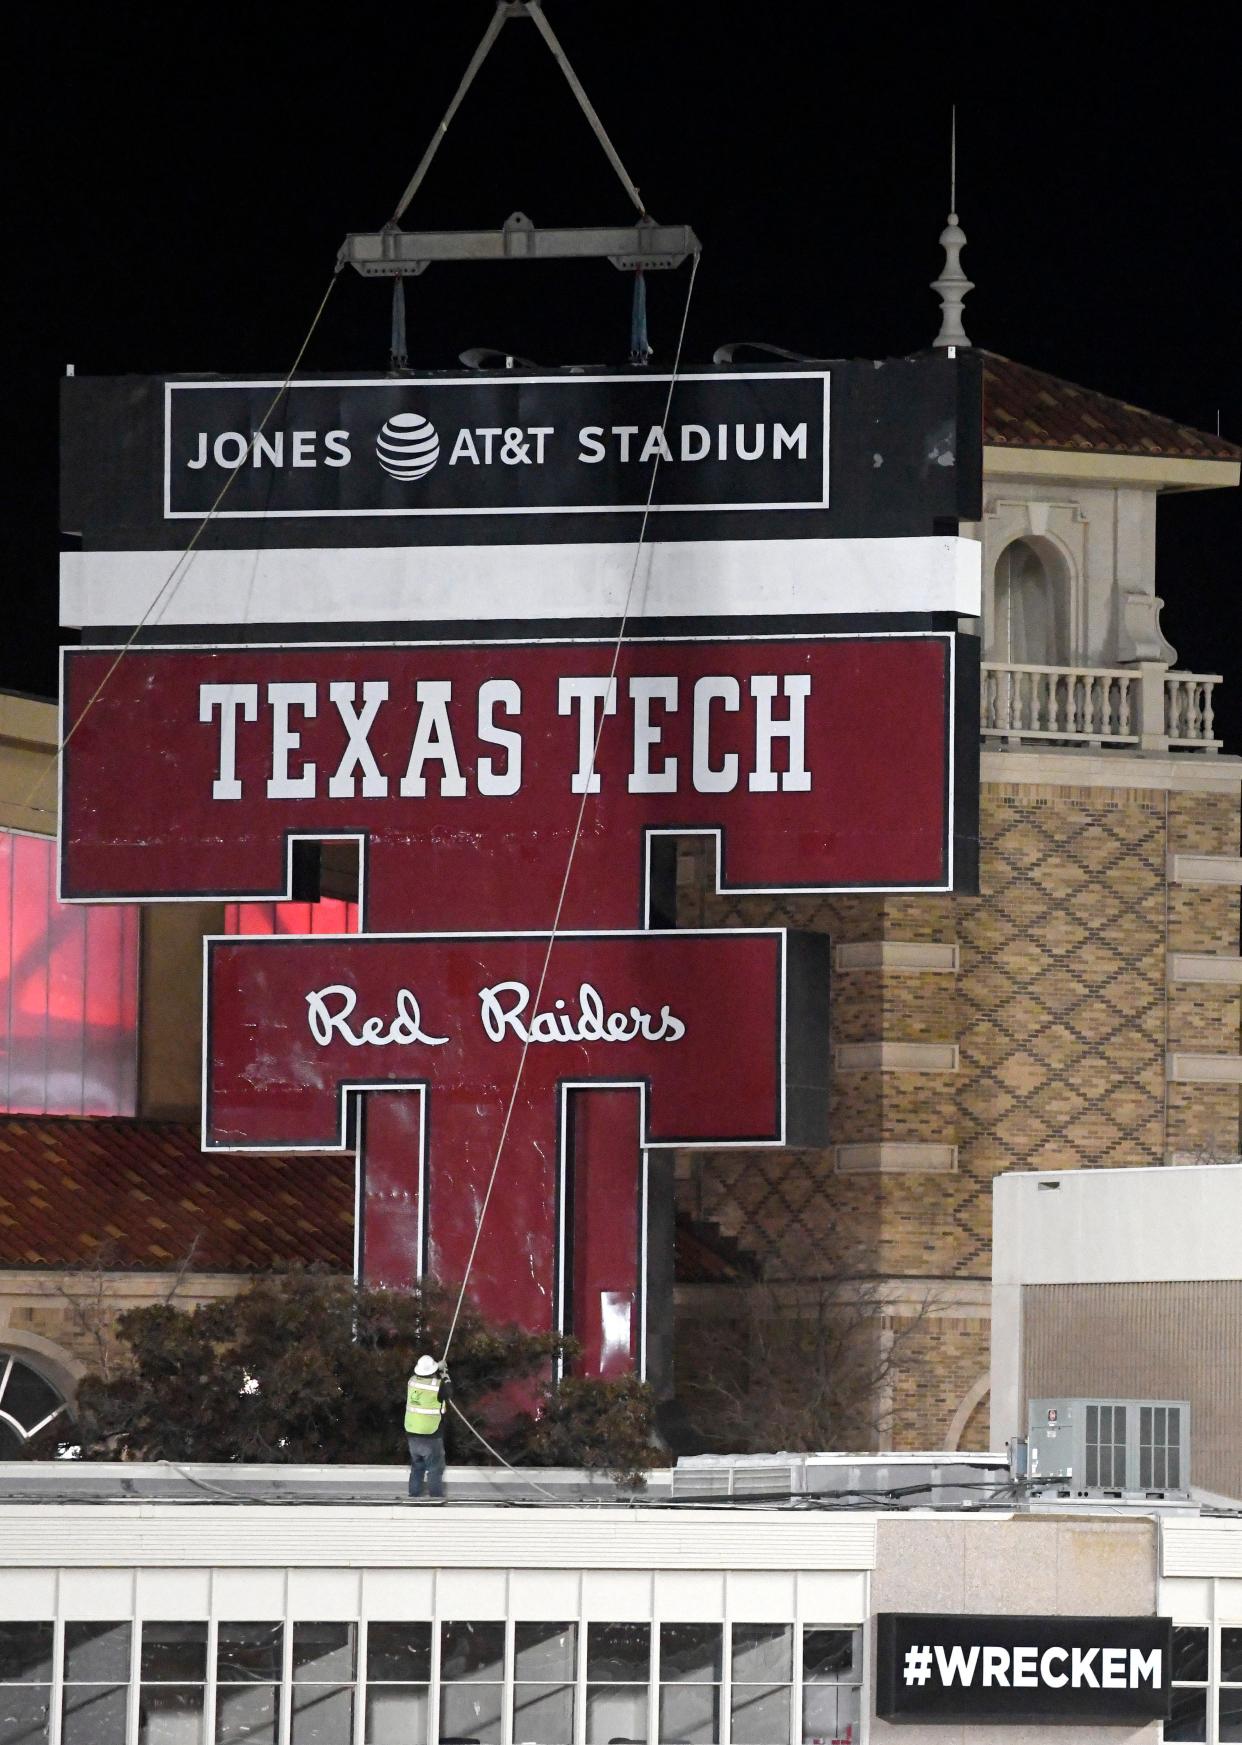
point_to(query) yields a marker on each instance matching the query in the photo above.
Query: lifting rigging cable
(640, 351)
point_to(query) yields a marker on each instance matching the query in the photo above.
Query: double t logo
(814, 762)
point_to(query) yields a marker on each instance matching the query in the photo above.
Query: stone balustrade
(1144, 705)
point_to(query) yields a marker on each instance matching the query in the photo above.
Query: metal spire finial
(952, 283)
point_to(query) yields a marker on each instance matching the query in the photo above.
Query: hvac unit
(1086, 1446)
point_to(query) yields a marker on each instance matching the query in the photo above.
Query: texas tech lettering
(475, 736)
(461, 768)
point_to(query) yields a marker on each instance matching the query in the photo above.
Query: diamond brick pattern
(146, 1191)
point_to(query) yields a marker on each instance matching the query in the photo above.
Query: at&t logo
(407, 446)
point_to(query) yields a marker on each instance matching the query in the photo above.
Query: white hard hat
(426, 1366)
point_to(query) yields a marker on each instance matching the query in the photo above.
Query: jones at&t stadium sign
(527, 446)
(972, 1668)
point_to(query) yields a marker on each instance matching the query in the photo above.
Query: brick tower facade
(1083, 1009)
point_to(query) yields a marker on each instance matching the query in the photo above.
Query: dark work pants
(426, 1461)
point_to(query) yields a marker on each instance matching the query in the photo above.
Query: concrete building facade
(224, 1599)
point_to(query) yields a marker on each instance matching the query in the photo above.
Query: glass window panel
(24, 1714)
(762, 1653)
(471, 1711)
(322, 1714)
(1230, 1716)
(323, 1653)
(397, 1714)
(545, 1652)
(170, 1714)
(246, 1652)
(472, 1651)
(174, 1653)
(25, 1653)
(618, 1652)
(29, 1398)
(828, 1655)
(1187, 1718)
(247, 1714)
(760, 1714)
(543, 1714)
(1190, 1652)
(96, 1653)
(94, 1714)
(828, 1710)
(1231, 1654)
(399, 1651)
(690, 1712)
(689, 1653)
(615, 1712)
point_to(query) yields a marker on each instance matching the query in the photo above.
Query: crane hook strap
(505, 10)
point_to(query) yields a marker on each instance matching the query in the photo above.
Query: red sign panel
(719, 1033)
(818, 762)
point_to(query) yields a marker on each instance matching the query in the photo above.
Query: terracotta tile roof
(1025, 408)
(145, 1190)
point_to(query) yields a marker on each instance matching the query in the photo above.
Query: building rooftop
(1027, 408)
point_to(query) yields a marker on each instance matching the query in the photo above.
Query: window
(1106, 1447)
(690, 1683)
(25, 1682)
(1159, 1448)
(1230, 1700)
(618, 1674)
(832, 1685)
(324, 1662)
(95, 1701)
(249, 1673)
(761, 1685)
(68, 992)
(472, 1672)
(545, 1668)
(174, 1675)
(1188, 1714)
(27, 1403)
(328, 915)
(398, 1684)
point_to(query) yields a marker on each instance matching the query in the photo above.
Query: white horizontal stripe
(209, 1535)
(421, 584)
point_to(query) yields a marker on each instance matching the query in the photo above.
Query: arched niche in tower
(1031, 605)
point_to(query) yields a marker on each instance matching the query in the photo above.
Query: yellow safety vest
(423, 1409)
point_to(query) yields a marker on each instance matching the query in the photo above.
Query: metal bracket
(393, 253)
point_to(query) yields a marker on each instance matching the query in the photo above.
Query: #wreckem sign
(954, 1667)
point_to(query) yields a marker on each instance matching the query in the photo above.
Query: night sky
(183, 178)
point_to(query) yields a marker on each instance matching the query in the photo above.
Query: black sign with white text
(839, 450)
(499, 446)
(934, 1666)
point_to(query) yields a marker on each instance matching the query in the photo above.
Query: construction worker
(426, 1400)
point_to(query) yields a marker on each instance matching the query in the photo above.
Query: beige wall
(171, 1009)
(1162, 1341)
(28, 739)
(1026, 1564)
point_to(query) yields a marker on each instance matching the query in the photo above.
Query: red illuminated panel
(328, 915)
(68, 993)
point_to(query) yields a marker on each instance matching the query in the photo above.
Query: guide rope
(178, 572)
(586, 792)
